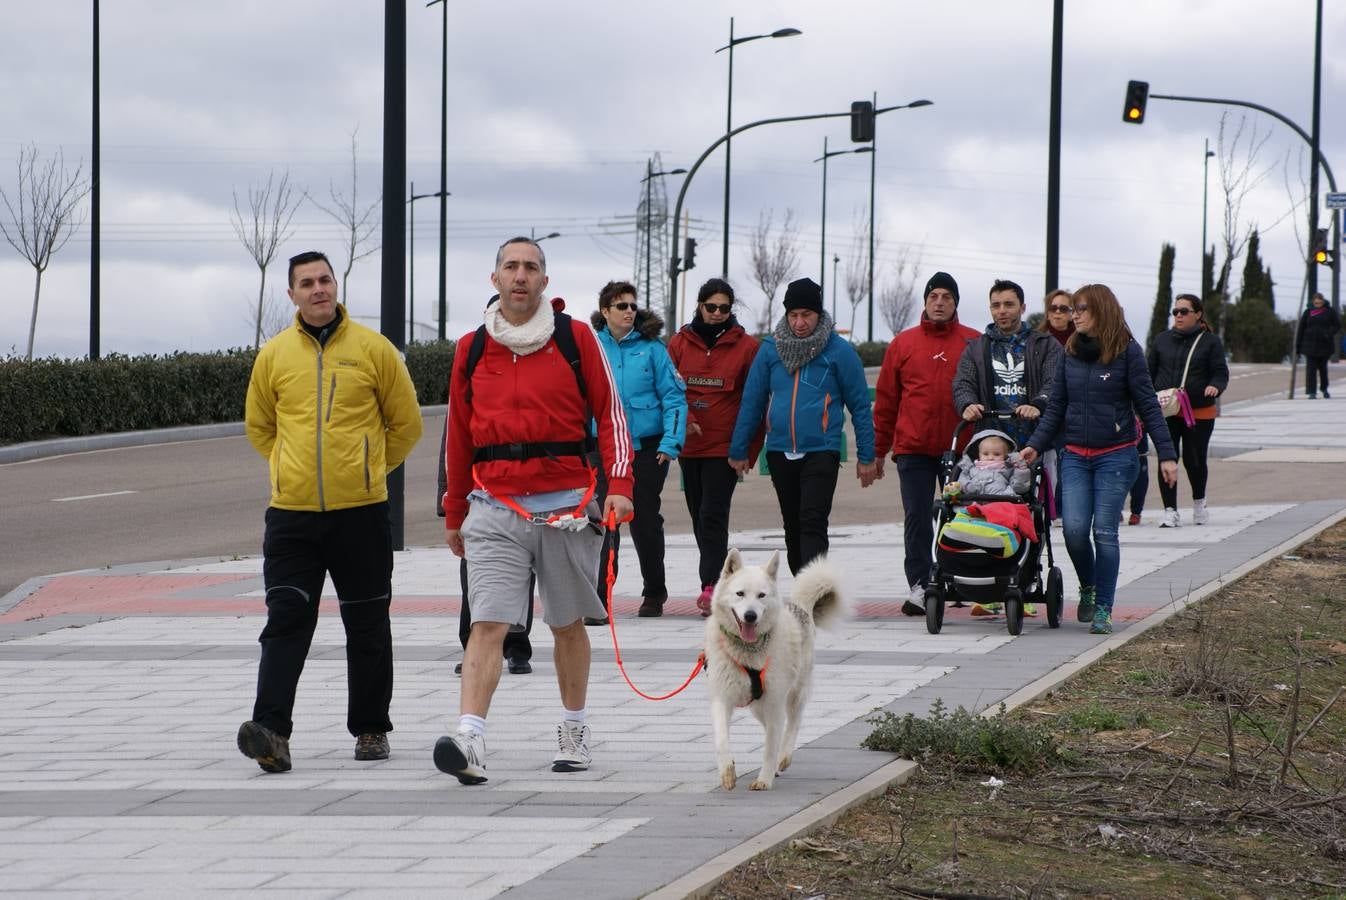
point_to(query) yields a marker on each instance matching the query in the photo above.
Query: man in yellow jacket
(332, 408)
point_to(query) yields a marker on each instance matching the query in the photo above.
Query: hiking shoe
(651, 607)
(1326, 395)
(371, 746)
(1170, 518)
(461, 755)
(703, 601)
(989, 609)
(1134, 520)
(595, 622)
(518, 665)
(258, 742)
(1084, 612)
(458, 668)
(1102, 623)
(1200, 515)
(572, 754)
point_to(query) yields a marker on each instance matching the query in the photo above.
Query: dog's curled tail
(817, 589)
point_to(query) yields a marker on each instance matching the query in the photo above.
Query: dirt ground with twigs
(1206, 758)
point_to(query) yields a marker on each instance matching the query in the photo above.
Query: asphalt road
(206, 499)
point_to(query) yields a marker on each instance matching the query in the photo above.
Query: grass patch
(960, 741)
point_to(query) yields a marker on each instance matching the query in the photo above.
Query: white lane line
(91, 496)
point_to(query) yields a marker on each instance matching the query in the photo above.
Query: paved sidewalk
(122, 689)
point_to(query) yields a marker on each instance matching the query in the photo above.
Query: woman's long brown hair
(1109, 329)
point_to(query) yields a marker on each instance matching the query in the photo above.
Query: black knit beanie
(804, 294)
(942, 280)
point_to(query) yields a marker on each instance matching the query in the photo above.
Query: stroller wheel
(1054, 597)
(934, 609)
(1014, 611)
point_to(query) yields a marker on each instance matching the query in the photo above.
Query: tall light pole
(443, 165)
(873, 159)
(532, 236)
(1205, 191)
(836, 260)
(392, 262)
(648, 180)
(729, 118)
(822, 261)
(95, 209)
(411, 244)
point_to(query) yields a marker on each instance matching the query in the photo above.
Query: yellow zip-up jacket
(332, 421)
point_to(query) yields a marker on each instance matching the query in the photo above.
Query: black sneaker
(371, 746)
(518, 666)
(594, 622)
(258, 742)
(651, 607)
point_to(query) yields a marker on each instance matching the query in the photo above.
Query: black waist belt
(549, 449)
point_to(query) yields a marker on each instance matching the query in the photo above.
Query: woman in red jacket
(712, 354)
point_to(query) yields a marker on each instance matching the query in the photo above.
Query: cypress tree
(1207, 273)
(1254, 279)
(1163, 298)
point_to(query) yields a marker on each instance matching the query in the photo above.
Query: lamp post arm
(669, 309)
(1327, 169)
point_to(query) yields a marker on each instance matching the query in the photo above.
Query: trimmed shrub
(430, 364)
(871, 352)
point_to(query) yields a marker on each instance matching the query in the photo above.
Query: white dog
(759, 654)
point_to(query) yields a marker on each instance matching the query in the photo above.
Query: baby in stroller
(991, 467)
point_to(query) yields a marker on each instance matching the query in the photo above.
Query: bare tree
(276, 315)
(1240, 175)
(897, 295)
(358, 224)
(773, 263)
(266, 226)
(857, 266)
(43, 215)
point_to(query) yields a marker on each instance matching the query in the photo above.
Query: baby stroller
(985, 563)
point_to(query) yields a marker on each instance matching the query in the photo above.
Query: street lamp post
(411, 275)
(443, 164)
(532, 236)
(1205, 190)
(822, 261)
(729, 118)
(836, 260)
(650, 175)
(674, 263)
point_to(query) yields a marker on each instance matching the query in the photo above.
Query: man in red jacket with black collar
(520, 497)
(914, 418)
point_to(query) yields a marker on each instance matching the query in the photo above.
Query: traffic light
(688, 254)
(1322, 254)
(862, 122)
(1137, 92)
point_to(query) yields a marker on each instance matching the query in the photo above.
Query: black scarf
(708, 332)
(1086, 348)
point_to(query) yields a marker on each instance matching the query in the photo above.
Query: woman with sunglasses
(1058, 324)
(654, 400)
(713, 354)
(1100, 386)
(1204, 379)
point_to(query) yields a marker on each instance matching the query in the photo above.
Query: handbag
(1172, 400)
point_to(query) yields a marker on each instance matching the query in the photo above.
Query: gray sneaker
(258, 742)
(573, 753)
(462, 755)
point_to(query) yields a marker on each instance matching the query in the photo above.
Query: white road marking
(91, 496)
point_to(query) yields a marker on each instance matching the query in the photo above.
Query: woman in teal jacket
(799, 380)
(655, 401)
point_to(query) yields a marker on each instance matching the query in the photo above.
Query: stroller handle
(996, 415)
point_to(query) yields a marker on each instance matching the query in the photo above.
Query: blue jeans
(1092, 491)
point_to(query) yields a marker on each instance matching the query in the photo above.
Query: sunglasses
(1080, 308)
(716, 307)
(622, 307)
(1060, 309)
(1177, 311)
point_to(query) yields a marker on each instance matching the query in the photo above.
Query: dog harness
(756, 677)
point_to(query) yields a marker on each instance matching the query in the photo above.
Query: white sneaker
(1200, 515)
(1170, 518)
(462, 755)
(573, 743)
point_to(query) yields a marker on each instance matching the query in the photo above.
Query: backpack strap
(561, 334)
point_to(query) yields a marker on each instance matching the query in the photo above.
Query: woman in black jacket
(1317, 332)
(1206, 378)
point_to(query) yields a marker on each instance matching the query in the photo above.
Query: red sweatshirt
(913, 400)
(715, 377)
(531, 399)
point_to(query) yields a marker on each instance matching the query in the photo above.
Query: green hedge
(871, 352)
(49, 398)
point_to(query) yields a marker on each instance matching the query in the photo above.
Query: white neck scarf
(523, 339)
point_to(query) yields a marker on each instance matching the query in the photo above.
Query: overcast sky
(554, 109)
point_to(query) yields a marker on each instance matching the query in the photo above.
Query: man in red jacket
(914, 419)
(520, 498)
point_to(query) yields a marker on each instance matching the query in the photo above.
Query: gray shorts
(502, 548)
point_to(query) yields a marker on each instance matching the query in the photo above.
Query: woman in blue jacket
(655, 401)
(799, 380)
(1101, 383)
